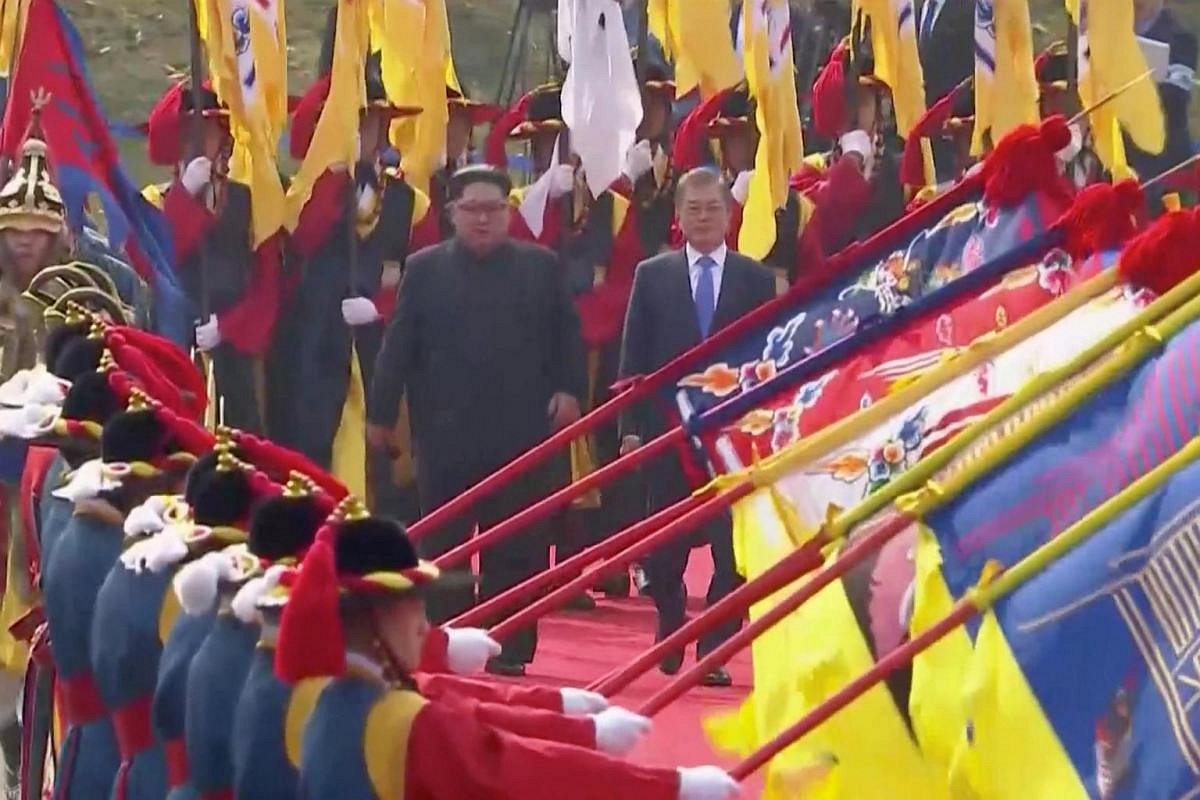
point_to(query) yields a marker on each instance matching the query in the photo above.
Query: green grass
(133, 46)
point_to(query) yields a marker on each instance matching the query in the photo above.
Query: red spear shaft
(855, 554)
(574, 566)
(684, 524)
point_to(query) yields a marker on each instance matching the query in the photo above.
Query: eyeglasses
(481, 209)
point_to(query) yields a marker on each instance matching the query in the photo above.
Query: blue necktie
(706, 294)
(929, 10)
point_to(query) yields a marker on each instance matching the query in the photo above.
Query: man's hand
(197, 175)
(562, 411)
(208, 334)
(379, 437)
(629, 444)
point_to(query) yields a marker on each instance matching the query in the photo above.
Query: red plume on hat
(691, 137)
(164, 128)
(829, 94)
(279, 462)
(493, 147)
(174, 365)
(311, 640)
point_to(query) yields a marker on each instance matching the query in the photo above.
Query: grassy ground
(133, 46)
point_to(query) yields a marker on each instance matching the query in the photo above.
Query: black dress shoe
(718, 678)
(504, 668)
(671, 663)
(615, 587)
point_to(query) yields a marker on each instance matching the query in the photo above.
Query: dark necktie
(706, 294)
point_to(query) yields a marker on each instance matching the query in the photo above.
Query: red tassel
(829, 95)
(1101, 218)
(304, 120)
(164, 128)
(190, 436)
(173, 363)
(1164, 255)
(493, 146)
(280, 462)
(691, 137)
(311, 641)
(1023, 162)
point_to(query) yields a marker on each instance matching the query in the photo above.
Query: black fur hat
(134, 435)
(373, 545)
(72, 355)
(91, 399)
(283, 527)
(219, 492)
(58, 339)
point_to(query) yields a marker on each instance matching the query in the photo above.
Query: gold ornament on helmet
(30, 201)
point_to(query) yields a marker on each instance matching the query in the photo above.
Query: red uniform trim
(177, 763)
(81, 701)
(131, 722)
(188, 218)
(248, 325)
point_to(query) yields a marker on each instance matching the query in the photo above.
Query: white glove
(741, 186)
(1073, 148)
(562, 179)
(618, 730)
(197, 175)
(208, 334)
(359, 311)
(366, 199)
(859, 141)
(578, 702)
(706, 783)
(638, 160)
(469, 649)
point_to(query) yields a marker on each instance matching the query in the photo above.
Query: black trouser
(237, 388)
(323, 377)
(666, 565)
(501, 567)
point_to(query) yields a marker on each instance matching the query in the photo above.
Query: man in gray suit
(678, 299)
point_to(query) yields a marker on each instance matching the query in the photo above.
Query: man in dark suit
(678, 299)
(946, 41)
(486, 344)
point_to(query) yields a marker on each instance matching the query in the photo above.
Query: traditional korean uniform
(133, 451)
(370, 735)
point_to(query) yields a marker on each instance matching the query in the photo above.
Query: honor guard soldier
(343, 309)
(210, 221)
(352, 633)
(139, 457)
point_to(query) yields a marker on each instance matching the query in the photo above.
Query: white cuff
(859, 141)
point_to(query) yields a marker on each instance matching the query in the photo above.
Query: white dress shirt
(929, 8)
(694, 270)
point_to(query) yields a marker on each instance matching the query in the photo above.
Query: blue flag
(84, 158)
(1108, 638)
(1117, 435)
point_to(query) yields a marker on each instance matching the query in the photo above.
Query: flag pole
(976, 602)
(197, 134)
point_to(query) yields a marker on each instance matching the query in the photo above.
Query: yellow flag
(246, 44)
(1109, 58)
(897, 60)
(1006, 89)
(413, 39)
(771, 83)
(1010, 729)
(864, 750)
(336, 133)
(12, 20)
(695, 37)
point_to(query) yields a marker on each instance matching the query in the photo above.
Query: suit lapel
(683, 289)
(727, 298)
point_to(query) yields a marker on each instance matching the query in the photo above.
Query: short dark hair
(479, 173)
(699, 178)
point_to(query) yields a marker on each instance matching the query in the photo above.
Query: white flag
(601, 100)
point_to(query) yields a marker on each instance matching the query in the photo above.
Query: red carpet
(577, 647)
